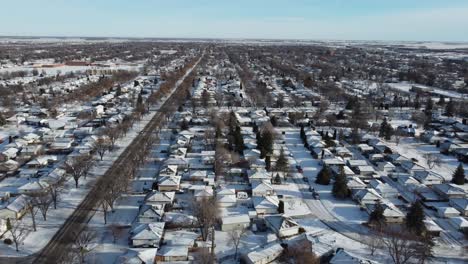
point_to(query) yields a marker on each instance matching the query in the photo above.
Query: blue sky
(438, 20)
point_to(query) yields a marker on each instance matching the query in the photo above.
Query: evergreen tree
(277, 179)
(303, 134)
(377, 217)
(449, 108)
(266, 143)
(282, 163)
(459, 175)
(415, 219)
(340, 186)
(334, 135)
(383, 127)
(281, 207)
(274, 121)
(239, 141)
(323, 177)
(184, 125)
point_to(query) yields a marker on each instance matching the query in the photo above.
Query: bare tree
(54, 190)
(43, 202)
(18, 232)
(32, 208)
(373, 241)
(83, 243)
(102, 145)
(235, 237)
(117, 231)
(113, 133)
(400, 246)
(76, 167)
(432, 160)
(105, 209)
(206, 213)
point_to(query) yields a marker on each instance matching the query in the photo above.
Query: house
(226, 197)
(147, 234)
(355, 184)
(365, 149)
(391, 213)
(354, 164)
(264, 255)
(234, 222)
(169, 170)
(449, 191)
(386, 166)
(32, 150)
(172, 254)
(427, 177)
(266, 204)
(138, 256)
(14, 208)
(376, 157)
(33, 187)
(461, 204)
(367, 196)
(343, 152)
(204, 193)
(180, 238)
(156, 198)
(259, 175)
(460, 223)
(447, 212)
(169, 183)
(366, 172)
(432, 228)
(282, 226)
(9, 153)
(384, 189)
(198, 175)
(149, 214)
(262, 188)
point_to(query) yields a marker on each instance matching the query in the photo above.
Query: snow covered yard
(415, 149)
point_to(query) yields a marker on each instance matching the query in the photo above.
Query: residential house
(449, 191)
(264, 255)
(461, 204)
(266, 204)
(234, 222)
(263, 188)
(172, 254)
(157, 198)
(169, 183)
(282, 226)
(149, 213)
(147, 234)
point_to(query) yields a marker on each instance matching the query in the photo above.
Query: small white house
(235, 222)
(265, 254)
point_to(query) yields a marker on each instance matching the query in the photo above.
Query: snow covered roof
(149, 231)
(265, 252)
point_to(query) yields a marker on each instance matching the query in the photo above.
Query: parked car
(299, 168)
(316, 195)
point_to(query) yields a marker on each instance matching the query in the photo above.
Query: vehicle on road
(316, 195)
